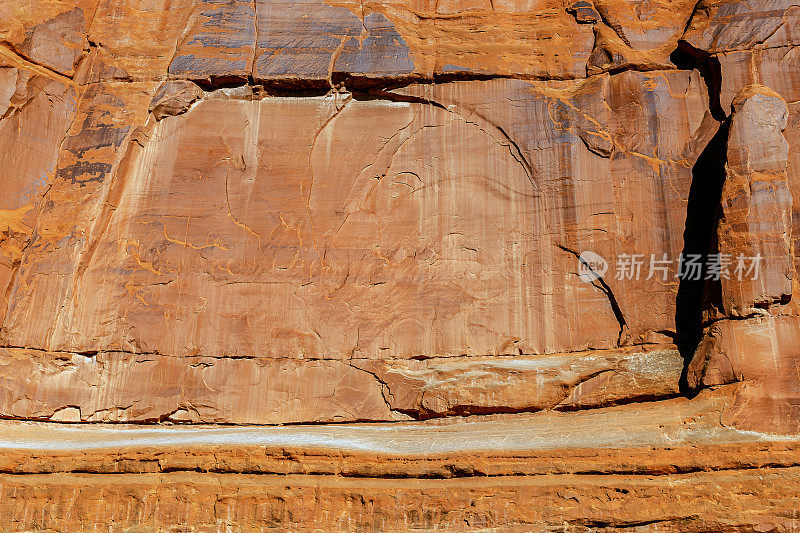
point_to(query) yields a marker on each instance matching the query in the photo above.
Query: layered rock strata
(649, 467)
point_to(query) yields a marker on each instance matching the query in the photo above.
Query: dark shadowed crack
(615, 26)
(17, 59)
(687, 57)
(695, 296)
(601, 284)
(699, 240)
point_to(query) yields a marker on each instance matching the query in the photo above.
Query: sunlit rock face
(257, 212)
(756, 338)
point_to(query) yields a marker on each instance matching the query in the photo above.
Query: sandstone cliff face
(258, 212)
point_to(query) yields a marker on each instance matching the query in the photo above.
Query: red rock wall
(257, 212)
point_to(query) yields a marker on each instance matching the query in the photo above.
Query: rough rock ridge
(320, 264)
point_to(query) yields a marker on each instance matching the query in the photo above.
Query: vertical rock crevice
(696, 295)
(601, 284)
(753, 334)
(687, 57)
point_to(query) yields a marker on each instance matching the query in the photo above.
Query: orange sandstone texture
(267, 212)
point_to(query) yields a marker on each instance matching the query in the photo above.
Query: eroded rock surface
(755, 337)
(258, 212)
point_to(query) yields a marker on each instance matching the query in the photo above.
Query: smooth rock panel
(308, 39)
(756, 218)
(762, 352)
(614, 167)
(726, 25)
(220, 42)
(77, 200)
(116, 387)
(35, 113)
(303, 226)
(433, 388)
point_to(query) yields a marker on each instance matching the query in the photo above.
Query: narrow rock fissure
(95, 352)
(603, 286)
(696, 296)
(687, 57)
(358, 84)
